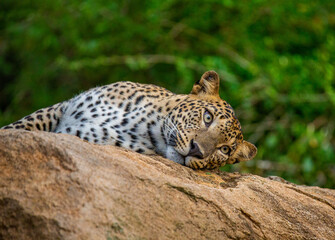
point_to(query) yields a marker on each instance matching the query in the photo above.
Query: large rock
(55, 186)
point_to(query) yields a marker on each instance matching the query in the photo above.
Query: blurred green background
(276, 60)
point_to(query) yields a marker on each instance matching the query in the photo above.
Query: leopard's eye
(225, 149)
(208, 118)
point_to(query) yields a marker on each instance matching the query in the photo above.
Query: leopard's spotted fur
(198, 130)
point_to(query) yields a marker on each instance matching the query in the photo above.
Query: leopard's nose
(195, 150)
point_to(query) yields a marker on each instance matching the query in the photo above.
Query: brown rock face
(55, 186)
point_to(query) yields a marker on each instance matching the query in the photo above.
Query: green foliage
(276, 60)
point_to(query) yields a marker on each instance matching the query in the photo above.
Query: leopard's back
(121, 114)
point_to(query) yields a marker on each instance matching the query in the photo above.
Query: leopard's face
(203, 130)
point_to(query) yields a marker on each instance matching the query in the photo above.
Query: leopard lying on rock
(198, 130)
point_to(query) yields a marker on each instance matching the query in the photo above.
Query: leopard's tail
(45, 119)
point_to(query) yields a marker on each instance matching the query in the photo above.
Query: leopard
(198, 130)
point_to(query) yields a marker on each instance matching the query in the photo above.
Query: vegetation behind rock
(276, 59)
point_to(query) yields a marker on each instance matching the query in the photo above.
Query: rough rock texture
(55, 186)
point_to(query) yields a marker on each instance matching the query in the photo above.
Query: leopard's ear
(207, 85)
(244, 152)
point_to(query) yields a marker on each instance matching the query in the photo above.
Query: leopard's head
(203, 132)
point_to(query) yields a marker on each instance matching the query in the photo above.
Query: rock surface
(55, 186)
